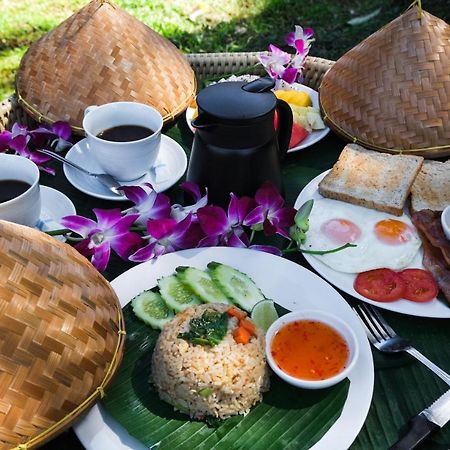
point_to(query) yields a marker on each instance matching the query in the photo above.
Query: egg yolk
(341, 231)
(393, 232)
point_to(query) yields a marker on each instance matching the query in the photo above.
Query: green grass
(210, 25)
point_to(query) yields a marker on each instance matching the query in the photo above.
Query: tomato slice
(420, 285)
(381, 285)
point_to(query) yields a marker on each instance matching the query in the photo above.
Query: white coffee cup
(25, 208)
(125, 161)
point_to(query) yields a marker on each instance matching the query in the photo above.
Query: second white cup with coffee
(124, 138)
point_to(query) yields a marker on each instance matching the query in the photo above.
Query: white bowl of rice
(209, 381)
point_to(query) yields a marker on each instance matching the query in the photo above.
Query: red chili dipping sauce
(309, 350)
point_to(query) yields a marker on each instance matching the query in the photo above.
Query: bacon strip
(433, 261)
(429, 223)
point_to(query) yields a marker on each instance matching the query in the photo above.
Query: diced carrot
(235, 312)
(241, 335)
(248, 325)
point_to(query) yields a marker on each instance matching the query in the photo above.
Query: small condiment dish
(445, 221)
(324, 317)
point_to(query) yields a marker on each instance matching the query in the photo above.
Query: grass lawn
(209, 25)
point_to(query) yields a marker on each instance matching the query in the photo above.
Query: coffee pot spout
(202, 122)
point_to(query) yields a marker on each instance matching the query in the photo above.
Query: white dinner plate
(344, 281)
(169, 167)
(290, 285)
(313, 137)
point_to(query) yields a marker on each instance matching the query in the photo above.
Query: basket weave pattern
(102, 54)
(392, 91)
(60, 340)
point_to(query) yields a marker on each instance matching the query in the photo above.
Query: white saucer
(55, 205)
(169, 168)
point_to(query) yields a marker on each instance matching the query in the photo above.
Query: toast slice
(371, 179)
(431, 188)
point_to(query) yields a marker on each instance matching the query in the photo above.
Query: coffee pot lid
(238, 101)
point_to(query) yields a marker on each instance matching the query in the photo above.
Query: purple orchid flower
(167, 235)
(275, 62)
(300, 38)
(58, 133)
(111, 231)
(226, 229)
(270, 214)
(147, 203)
(179, 212)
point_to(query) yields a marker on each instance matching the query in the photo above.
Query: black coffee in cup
(10, 189)
(125, 133)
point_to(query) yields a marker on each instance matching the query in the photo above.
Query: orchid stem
(318, 252)
(252, 235)
(58, 232)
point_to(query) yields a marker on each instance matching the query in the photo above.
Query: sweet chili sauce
(309, 350)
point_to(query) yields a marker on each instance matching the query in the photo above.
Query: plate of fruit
(308, 126)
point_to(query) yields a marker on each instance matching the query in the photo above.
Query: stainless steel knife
(422, 425)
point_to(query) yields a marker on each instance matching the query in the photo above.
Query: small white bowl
(445, 221)
(321, 316)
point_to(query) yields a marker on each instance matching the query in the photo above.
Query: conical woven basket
(61, 329)
(102, 54)
(392, 91)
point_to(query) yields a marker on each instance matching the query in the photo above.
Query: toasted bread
(371, 179)
(431, 188)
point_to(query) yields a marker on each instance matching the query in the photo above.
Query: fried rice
(204, 381)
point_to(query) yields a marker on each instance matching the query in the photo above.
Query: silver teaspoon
(107, 180)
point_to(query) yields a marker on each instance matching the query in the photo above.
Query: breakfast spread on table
(365, 203)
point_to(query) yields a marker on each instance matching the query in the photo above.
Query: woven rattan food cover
(102, 54)
(61, 329)
(392, 91)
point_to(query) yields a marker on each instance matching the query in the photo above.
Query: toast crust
(371, 179)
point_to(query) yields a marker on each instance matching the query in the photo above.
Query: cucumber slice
(150, 307)
(202, 285)
(176, 294)
(237, 285)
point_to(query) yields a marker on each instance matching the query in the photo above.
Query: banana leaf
(286, 418)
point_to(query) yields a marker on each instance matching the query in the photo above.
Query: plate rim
(362, 384)
(323, 270)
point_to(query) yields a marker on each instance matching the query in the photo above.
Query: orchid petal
(269, 228)
(279, 55)
(107, 217)
(267, 248)
(122, 225)
(79, 224)
(284, 216)
(49, 170)
(190, 237)
(193, 189)
(239, 208)
(300, 45)
(84, 248)
(36, 157)
(255, 217)
(213, 220)
(62, 144)
(308, 33)
(143, 254)
(62, 130)
(161, 207)
(126, 244)
(235, 241)
(19, 143)
(159, 228)
(19, 130)
(290, 38)
(267, 195)
(136, 194)
(208, 241)
(290, 75)
(5, 139)
(101, 256)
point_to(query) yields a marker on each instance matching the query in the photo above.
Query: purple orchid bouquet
(27, 143)
(154, 226)
(284, 67)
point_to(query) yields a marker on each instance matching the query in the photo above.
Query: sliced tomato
(382, 285)
(420, 285)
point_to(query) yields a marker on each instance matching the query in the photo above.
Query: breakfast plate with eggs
(306, 114)
(382, 241)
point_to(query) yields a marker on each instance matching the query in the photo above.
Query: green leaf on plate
(286, 418)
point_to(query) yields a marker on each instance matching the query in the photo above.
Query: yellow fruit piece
(297, 98)
(307, 117)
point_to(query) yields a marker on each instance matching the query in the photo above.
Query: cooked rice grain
(234, 375)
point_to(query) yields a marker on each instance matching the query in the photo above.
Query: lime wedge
(264, 314)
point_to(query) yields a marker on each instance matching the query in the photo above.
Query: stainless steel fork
(385, 339)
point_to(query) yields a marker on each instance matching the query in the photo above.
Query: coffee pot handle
(284, 126)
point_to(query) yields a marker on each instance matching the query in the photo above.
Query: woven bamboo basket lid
(102, 54)
(392, 91)
(61, 329)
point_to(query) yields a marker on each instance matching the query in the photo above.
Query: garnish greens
(209, 329)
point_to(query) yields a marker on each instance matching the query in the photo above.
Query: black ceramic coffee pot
(236, 147)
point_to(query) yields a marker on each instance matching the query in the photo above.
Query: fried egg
(381, 239)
